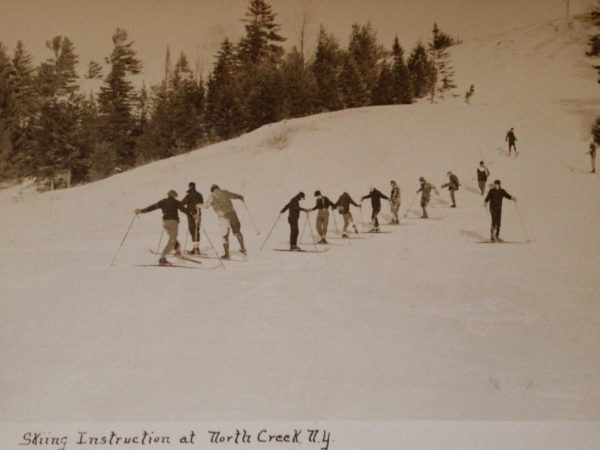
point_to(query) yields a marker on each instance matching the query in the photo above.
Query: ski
(182, 257)
(178, 266)
(503, 242)
(300, 251)
(223, 259)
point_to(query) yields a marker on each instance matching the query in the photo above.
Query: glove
(137, 211)
(514, 199)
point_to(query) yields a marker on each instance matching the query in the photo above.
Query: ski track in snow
(420, 323)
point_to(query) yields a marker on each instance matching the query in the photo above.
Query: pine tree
(326, 69)
(422, 71)
(299, 86)
(365, 52)
(224, 109)
(353, 91)
(7, 105)
(262, 39)
(594, 40)
(401, 81)
(438, 51)
(383, 92)
(116, 98)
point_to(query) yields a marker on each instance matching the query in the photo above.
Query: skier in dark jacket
(322, 206)
(494, 197)
(192, 199)
(170, 207)
(343, 206)
(294, 215)
(375, 197)
(452, 186)
(511, 139)
(482, 175)
(592, 154)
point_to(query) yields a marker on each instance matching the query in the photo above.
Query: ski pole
(303, 228)
(410, 204)
(162, 230)
(312, 234)
(213, 247)
(272, 228)
(522, 222)
(251, 218)
(123, 240)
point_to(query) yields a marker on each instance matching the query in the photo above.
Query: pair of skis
(180, 266)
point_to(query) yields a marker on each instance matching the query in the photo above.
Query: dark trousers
(294, 231)
(496, 219)
(374, 215)
(512, 146)
(194, 227)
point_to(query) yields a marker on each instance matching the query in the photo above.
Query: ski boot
(163, 261)
(295, 248)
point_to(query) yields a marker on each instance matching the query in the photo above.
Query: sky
(196, 27)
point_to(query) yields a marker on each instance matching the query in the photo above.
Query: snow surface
(419, 323)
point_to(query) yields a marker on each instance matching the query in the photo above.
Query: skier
(220, 200)
(452, 186)
(395, 202)
(375, 197)
(192, 199)
(511, 139)
(323, 204)
(343, 206)
(494, 197)
(482, 175)
(592, 154)
(169, 207)
(293, 216)
(426, 189)
(469, 94)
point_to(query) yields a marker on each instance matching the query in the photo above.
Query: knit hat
(172, 193)
(497, 182)
(192, 185)
(317, 193)
(301, 195)
(421, 179)
(213, 187)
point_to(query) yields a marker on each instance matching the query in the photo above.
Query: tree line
(49, 126)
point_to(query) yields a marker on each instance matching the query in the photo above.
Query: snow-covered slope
(419, 323)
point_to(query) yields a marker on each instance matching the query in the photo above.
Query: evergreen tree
(224, 108)
(353, 91)
(438, 51)
(383, 92)
(299, 86)
(365, 52)
(401, 80)
(7, 105)
(116, 98)
(326, 69)
(262, 39)
(594, 40)
(422, 71)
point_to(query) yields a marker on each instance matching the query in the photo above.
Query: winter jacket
(395, 195)
(344, 203)
(510, 137)
(482, 174)
(191, 200)
(453, 184)
(375, 197)
(169, 207)
(495, 197)
(592, 149)
(426, 189)
(220, 200)
(294, 207)
(323, 203)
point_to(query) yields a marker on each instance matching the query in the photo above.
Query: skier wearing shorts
(220, 200)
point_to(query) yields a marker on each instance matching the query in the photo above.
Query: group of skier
(221, 202)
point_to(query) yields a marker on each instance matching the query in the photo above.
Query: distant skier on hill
(192, 199)
(375, 197)
(592, 154)
(494, 197)
(322, 206)
(294, 207)
(343, 206)
(220, 200)
(469, 94)
(169, 207)
(452, 186)
(511, 139)
(426, 189)
(482, 175)
(395, 202)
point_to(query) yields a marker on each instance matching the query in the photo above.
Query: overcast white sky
(198, 26)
